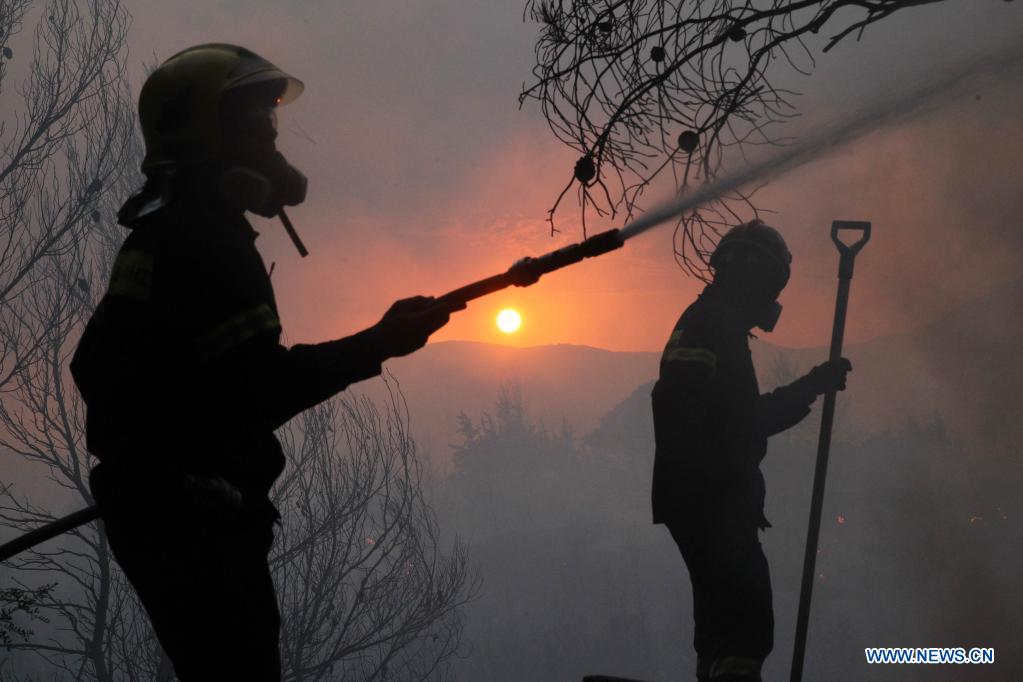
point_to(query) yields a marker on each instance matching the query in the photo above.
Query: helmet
(181, 101)
(753, 248)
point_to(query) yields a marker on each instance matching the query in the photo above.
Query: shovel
(847, 253)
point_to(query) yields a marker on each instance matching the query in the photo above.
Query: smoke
(941, 88)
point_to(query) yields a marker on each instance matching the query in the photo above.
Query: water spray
(952, 84)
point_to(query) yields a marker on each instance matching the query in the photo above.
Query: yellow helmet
(180, 103)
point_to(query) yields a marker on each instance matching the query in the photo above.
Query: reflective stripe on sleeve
(237, 330)
(132, 275)
(686, 354)
(735, 666)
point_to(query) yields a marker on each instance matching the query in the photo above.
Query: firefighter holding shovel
(711, 426)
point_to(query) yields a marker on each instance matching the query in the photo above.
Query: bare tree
(366, 592)
(70, 153)
(68, 150)
(365, 589)
(63, 150)
(15, 602)
(650, 88)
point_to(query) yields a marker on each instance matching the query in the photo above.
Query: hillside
(965, 368)
(573, 385)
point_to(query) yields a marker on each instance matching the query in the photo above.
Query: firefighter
(183, 372)
(711, 426)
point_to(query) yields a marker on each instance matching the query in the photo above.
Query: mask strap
(292, 233)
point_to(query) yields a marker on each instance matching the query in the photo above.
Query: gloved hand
(408, 323)
(829, 376)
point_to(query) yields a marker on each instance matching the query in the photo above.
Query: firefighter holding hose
(711, 426)
(183, 371)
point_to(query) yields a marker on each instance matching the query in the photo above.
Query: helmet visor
(290, 90)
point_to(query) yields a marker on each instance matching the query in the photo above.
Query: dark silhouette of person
(183, 372)
(711, 426)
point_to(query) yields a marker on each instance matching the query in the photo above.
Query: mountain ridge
(963, 368)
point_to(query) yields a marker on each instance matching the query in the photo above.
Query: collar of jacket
(185, 192)
(188, 211)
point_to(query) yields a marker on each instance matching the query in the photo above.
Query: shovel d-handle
(847, 258)
(848, 251)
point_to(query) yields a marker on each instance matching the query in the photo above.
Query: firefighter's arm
(224, 301)
(685, 381)
(786, 406)
(263, 383)
(271, 383)
(685, 403)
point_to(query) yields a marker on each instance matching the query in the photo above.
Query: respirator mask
(255, 176)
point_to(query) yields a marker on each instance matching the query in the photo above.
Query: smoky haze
(919, 544)
(424, 175)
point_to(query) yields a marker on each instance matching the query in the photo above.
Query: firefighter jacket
(711, 423)
(181, 366)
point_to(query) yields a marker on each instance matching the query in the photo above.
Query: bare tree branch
(60, 156)
(648, 89)
(365, 590)
(65, 158)
(386, 609)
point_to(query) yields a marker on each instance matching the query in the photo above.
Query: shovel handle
(845, 268)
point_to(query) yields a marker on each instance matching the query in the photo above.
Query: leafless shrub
(650, 88)
(366, 592)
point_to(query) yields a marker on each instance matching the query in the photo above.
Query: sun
(509, 321)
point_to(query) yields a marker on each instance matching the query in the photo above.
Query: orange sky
(424, 175)
(942, 236)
